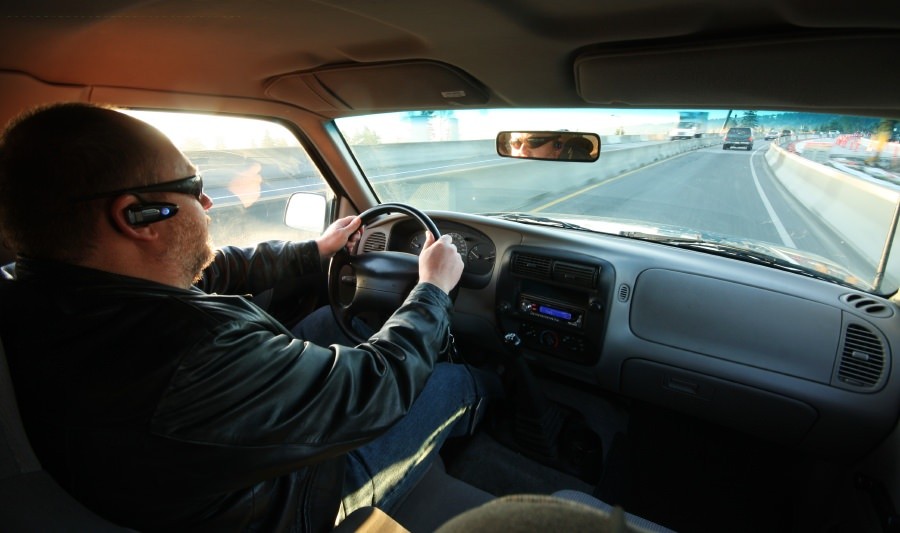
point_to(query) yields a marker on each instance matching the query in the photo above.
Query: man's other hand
(342, 232)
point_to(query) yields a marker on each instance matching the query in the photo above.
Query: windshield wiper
(525, 218)
(695, 243)
(737, 252)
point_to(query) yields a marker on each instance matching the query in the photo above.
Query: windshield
(824, 201)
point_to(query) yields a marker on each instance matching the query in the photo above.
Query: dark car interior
(699, 389)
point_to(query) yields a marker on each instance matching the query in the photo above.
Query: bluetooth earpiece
(142, 214)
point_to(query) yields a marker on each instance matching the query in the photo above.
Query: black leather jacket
(163, 408)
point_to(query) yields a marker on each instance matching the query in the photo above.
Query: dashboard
(795, 360)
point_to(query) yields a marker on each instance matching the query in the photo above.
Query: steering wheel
(382, 279)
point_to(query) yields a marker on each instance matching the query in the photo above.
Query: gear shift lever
(537, 421)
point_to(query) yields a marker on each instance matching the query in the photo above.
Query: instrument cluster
(476, 249)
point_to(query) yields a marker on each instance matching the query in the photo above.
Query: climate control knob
(549, 338)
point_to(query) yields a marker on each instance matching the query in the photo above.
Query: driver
(155, 392)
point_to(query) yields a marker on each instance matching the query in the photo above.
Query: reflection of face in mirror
(247, 184)
(549, 145)
(537, 146)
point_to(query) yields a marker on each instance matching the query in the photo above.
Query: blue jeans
(382, 472)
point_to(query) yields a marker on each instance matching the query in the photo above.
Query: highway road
(730, 192)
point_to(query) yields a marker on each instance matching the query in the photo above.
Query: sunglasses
(533, 142)
(192, 185)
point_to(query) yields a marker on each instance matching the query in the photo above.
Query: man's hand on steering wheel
(440, 263)
(344, 232)
(377, 282)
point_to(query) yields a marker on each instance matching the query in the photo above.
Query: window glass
(820, 197)
(250, 168)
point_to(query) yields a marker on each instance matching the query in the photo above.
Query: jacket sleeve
(253, 270)
(278, 402)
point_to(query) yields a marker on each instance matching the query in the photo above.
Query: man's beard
(192, 249)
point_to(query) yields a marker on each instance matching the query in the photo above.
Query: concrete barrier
(422, 153)
(857, 210)
(400, 155)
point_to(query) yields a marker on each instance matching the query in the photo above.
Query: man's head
(67, 179)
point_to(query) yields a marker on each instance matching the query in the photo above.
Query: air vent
(531, 265)
(868, 305)
(375, 242)
(862, 359)
(624, 292)
(574, 274)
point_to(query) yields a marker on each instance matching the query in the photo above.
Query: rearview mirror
(549, 145)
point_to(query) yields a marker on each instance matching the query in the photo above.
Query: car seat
(31, 499)
(558, 512)
(577, 149)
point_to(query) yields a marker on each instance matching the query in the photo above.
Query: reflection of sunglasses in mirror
(533, 142)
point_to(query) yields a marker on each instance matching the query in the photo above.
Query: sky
(197, 131)
(484, 124)
(187, 129)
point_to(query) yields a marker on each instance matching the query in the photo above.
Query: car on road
(738, 137)
(704, 339)
(772, 134)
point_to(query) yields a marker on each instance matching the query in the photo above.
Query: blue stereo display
(559, 313)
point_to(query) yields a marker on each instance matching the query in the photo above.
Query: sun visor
(727, 73)
(413, 84)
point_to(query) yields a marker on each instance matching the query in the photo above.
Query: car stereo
(551, 310)
(556, 304)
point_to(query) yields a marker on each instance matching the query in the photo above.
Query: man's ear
(118, 213)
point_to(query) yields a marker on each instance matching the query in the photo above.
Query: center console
(555, 301)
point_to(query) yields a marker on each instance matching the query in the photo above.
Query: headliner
(519, 52)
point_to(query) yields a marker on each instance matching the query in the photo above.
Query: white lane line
(779, 227)
(605, 182)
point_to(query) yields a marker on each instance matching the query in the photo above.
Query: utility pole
(727, 117)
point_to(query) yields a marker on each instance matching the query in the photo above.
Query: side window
(250, 168)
